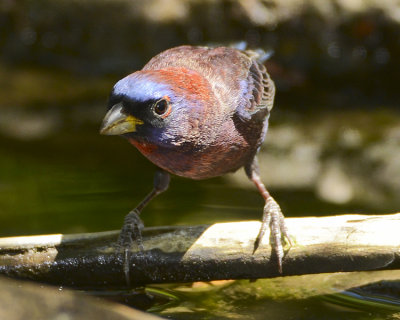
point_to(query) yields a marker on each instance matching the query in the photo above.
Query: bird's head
(160, 106)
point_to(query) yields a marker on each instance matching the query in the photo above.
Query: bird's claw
(131, 232)
(273, 217)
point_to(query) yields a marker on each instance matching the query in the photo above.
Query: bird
(197, 112)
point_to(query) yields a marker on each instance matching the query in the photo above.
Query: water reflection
(299, 297)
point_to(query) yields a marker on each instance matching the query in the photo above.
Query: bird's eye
(162, 108)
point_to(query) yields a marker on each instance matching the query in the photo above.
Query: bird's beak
(116, 122)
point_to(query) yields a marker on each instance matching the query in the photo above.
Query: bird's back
(239, 81)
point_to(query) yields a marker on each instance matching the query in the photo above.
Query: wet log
(206, 252)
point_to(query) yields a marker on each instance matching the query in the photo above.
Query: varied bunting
(199, 113)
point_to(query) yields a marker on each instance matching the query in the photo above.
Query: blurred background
(333, 144)
(334, 139)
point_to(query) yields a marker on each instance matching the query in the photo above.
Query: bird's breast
(146, 148)
(196, 163)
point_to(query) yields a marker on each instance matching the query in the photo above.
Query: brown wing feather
(263, 88)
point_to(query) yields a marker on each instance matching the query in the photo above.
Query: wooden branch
(203, 253)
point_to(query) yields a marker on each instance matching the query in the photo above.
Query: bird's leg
(272, 215)
(132, 228)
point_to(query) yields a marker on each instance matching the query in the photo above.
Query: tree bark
(206, 252)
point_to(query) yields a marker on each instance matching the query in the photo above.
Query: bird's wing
(257, 91)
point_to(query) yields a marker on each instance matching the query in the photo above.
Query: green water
(82, 182)
(71, 179)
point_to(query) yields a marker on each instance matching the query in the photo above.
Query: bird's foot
(131, 232)
(273, 217)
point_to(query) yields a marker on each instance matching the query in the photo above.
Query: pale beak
(115, 122)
